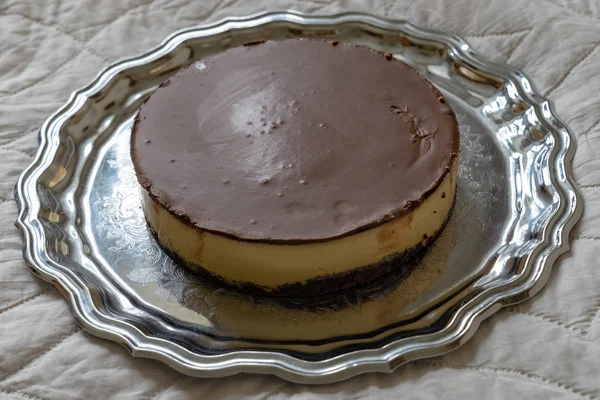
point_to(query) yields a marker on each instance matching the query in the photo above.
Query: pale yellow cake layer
(272, 265)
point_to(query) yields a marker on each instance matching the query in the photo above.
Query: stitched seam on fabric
(80, 44)
(592, 315)
(545, 318)
(216, 6)
(525, 32)
(6, 147)
(573, 11)
(586, 139)
(497, 34)
(573, 67)
(325, 2)
(43, 78)
(512, 371)
(588, 237)
(156, 394)
(40, 355)
(20, 395)
(22, 301)
(8, 150)
(387, 8)
(122, 15)
(586, 134)
(593, 126)
(514, 49)
(35, 129)
(11, 136)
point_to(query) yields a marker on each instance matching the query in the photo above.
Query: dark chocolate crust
(393, 267)
(299, 193)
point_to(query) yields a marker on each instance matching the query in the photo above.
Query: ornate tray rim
(385, 359)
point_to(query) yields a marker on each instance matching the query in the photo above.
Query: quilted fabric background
(547, 348)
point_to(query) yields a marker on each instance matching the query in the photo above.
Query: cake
(296, 168)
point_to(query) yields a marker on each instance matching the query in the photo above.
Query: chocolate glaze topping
(293, 141)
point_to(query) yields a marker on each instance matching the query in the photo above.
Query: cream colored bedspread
(548, 347)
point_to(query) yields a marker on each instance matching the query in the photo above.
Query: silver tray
(83, 228)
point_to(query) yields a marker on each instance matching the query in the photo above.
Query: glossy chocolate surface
(293, 141)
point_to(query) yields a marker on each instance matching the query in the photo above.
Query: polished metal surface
(84, 231)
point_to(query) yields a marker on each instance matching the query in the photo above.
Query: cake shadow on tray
(385, 283)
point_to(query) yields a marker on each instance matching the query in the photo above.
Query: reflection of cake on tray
(296, 168)
(395, 298)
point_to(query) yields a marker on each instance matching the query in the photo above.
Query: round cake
(298, 167)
